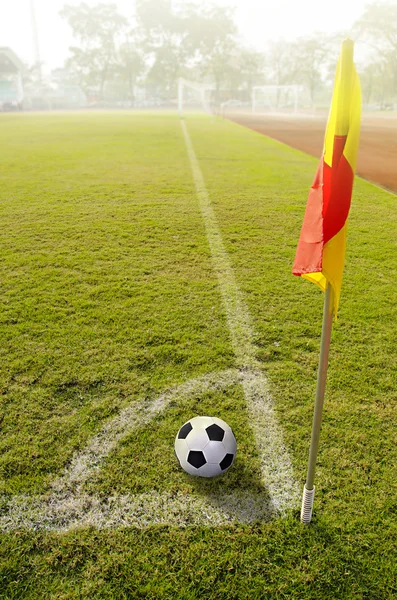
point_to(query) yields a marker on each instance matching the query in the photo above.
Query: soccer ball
(205, 446)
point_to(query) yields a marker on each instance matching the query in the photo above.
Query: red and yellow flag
(320, 254)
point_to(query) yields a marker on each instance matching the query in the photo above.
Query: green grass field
(109, 298)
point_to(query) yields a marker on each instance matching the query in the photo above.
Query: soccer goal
(194, 96)
(277, 98)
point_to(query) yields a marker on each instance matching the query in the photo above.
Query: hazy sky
(259, 21)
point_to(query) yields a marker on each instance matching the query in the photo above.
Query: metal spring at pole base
(307, 505)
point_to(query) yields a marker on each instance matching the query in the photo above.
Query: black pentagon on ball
(196, 458)
(226, 462)
(215, 433)
(184, 431)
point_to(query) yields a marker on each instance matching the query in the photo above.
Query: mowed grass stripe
(108, 292)
(259, 190)
(276, 470)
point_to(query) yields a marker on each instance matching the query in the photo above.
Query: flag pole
(308, 490)
(342, 119)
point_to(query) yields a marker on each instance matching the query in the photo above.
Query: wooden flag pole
(308, 490)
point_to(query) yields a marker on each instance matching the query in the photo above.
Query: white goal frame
(201, 88)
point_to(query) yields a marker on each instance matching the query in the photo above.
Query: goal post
(200, 92)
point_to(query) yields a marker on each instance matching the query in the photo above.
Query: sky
(259, 21)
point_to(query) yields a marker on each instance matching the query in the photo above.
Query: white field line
(67, 505)
(86, 463)
(139, 511)
(276, 468)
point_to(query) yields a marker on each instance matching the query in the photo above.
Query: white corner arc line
(87, 462)
(67, 505)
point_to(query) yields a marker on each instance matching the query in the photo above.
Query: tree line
(201, 42)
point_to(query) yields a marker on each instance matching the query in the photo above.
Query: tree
(162, 32)
(282, 63)
(131, 65)
(311, 62)
(368, 78)
(252, 68)
(192, 40)
(98, 29)
(212, 44)
(378, 27)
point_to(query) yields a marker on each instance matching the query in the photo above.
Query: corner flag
(321, 249)
(320, 255)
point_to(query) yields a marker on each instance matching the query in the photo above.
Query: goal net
(278, 99)
(194, 96)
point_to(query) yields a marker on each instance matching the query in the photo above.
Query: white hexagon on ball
(205, 446)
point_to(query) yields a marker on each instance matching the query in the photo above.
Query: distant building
(11, 87)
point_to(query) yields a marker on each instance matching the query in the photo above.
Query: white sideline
(276, 468)
(67, 505)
